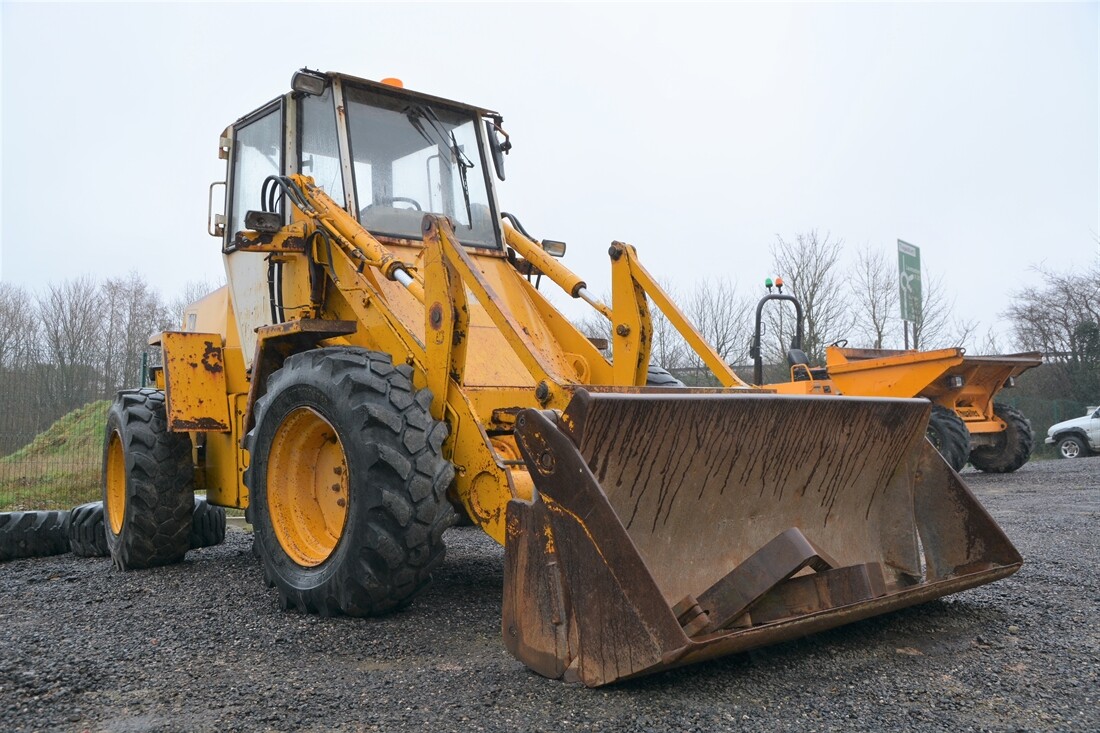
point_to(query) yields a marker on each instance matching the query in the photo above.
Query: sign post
(909, 287)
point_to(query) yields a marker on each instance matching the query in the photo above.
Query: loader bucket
(667, 529)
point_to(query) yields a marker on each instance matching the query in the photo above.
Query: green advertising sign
(909, 281)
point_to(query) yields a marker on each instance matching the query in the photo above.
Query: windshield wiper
(447, 144)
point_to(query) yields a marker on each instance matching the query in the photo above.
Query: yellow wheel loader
(966, 424)
(382, 357)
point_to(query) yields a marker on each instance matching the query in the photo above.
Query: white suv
(1077, 437)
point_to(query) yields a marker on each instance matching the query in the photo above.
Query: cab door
(256, 152)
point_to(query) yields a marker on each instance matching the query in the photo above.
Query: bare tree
(595, 327)
(938, 327)
(18, 368)
(667, 348)
(71, 318)
(133, 311)
(990, 343)
(1048, 318)
(875, 292)
(193, 290)
(18, 327)
(810, 266)
(722, 318)
(1062, 319)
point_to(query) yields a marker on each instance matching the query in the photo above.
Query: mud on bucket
(671, 528)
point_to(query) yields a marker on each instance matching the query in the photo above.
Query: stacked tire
(88, 537)
(33, 534)
(81, 531)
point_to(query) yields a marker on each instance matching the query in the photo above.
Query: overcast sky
(695, 132)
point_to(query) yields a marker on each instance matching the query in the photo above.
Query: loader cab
(386, 154)
(409, 158)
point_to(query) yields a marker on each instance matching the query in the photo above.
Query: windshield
(410, 159)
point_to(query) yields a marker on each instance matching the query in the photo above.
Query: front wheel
(948, 434)
(1013, 446)
(347, 483)
(1071, 447)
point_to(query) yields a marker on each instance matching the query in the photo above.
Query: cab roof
(388, 89)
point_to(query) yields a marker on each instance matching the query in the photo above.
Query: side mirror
(264, 222)
(496, 147)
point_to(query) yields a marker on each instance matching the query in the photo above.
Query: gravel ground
(203, 646)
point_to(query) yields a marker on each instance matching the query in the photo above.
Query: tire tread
(401, 543)
(1013, 449)
(33, 534)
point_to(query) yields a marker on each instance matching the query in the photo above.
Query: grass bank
(60, 467)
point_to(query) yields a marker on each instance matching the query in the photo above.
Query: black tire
(1013, 446)
(395, 512)
(33, 534)
(149, 475)
(1071, 446)
(658, 376)
(87, 537)
(948, 434)
(207, 525)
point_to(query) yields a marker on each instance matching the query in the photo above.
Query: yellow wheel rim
(116, 483)
(307, 487)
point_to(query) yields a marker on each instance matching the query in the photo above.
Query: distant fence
(1043, 413)
(57, 467)
(52, 423)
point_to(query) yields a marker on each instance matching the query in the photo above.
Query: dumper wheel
(948, 434)
(1013, 446)
(148, 483)
(347, 483)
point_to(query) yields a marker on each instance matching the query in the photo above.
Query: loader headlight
(308, 82)
(955, 382)
(553, 248)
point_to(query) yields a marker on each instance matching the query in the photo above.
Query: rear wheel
(1071, 447)
(148, 494)
(347, 483)
(1013, 446)
(948, 434)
